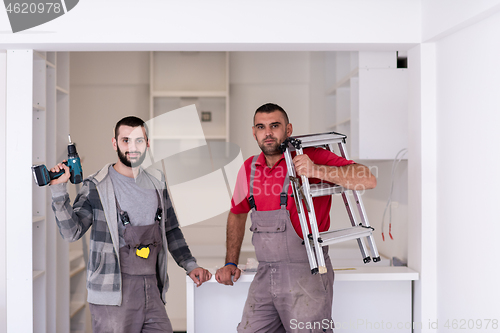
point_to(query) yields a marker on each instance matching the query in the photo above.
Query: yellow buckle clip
(142, 252)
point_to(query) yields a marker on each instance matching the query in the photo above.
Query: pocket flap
(267, 222)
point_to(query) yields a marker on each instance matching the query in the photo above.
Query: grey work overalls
(142, 310)
(284, 296)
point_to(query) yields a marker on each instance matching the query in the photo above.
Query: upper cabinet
(179, 79)
(367, 99)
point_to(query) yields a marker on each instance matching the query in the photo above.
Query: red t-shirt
(268, 184)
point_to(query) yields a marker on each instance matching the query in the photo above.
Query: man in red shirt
(284, 296)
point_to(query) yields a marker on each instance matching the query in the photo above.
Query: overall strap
(284, 192)
(124, 215)
(251, 199)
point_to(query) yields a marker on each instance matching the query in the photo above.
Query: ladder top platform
(319, 139)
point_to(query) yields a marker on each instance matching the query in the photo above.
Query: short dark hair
(131, 121)
(270, 107)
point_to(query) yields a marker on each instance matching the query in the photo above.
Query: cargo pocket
(268, 238)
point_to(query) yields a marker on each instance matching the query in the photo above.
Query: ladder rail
(364, 218)
(320, 139)
(353, 219)
(300, 210)
(312, 221)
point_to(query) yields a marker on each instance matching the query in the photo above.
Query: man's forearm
(73, 221)
(179, 250)
(352, 176)
(234, 236)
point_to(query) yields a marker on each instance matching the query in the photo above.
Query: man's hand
(200, 275)
(63, 178)
(304, 166)
(225, 274)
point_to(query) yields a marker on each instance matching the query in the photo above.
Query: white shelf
(74, 307)
(74, 255)
(38, 107)
(39, 54)
(49, 259)
(189, 94)
(342, 122)
(61, 90)
(342, 82)
(37, 274)
(215, 137)
(38, 218)
(77, 270)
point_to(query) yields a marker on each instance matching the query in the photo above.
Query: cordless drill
(43, 176)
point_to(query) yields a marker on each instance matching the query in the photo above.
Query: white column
(18, 186)
(3, 193)
(422, 183)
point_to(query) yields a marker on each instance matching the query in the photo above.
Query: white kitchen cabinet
(368, 102)
(179, 79)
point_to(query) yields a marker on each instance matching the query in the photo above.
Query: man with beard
(133, 224)
(284, 296)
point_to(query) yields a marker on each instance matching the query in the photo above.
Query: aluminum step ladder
(305, 192)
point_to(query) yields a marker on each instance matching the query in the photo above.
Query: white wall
(440, 18)
(468, 178)
(3, 192)
(375, 201)
(422, 204)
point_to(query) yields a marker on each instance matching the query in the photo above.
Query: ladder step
(342, 235)
(322, 189)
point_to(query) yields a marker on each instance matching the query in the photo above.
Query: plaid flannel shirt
(95, 207)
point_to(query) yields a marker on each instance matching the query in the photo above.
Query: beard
(271, 149)
(125, 159)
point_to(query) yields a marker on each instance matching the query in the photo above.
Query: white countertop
(372, 273)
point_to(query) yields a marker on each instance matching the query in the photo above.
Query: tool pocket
(268, 235)
(269, 224)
